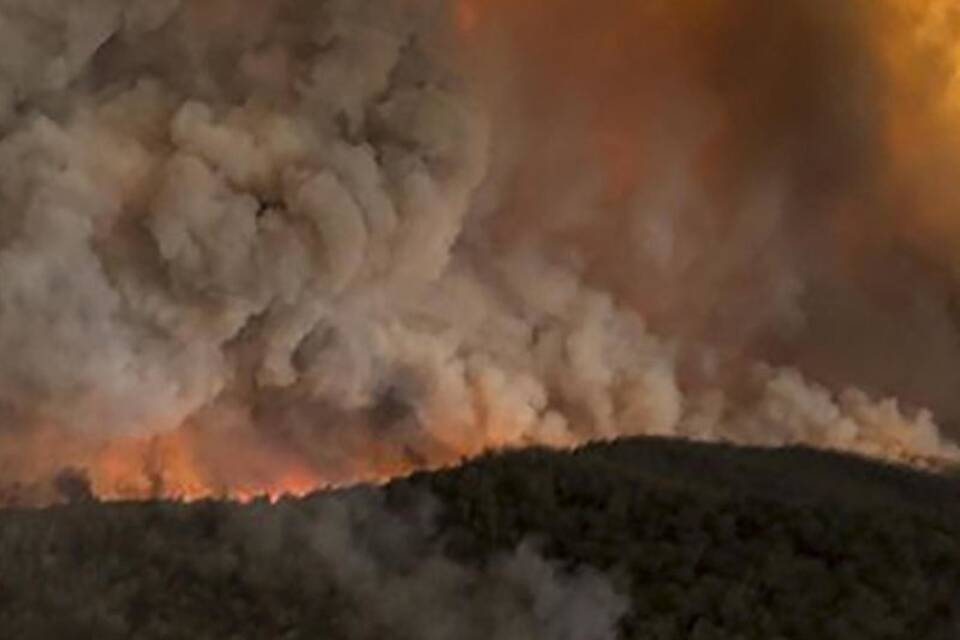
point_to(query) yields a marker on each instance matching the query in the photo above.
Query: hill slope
(636, 539)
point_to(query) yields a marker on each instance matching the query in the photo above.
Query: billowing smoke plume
(257, 246)
(776, 179)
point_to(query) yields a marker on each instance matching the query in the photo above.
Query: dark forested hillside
(638, 539)
(720, 542)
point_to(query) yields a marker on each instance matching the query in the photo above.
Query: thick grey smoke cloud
(267, 225)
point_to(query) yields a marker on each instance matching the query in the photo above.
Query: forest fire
(343, 241)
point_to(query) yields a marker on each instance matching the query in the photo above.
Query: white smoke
(214, 208)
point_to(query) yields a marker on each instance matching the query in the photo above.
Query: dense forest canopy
(645, 539)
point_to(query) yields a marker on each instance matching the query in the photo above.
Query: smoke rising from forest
(251, 247)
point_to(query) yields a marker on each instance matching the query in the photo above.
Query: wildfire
(158, 466)
(591, 86)
(171, 466)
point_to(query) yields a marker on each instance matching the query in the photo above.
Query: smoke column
(252, 247)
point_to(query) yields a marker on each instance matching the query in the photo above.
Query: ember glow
(262, 250)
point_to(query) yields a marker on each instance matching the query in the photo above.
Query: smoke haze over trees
(637, 539)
